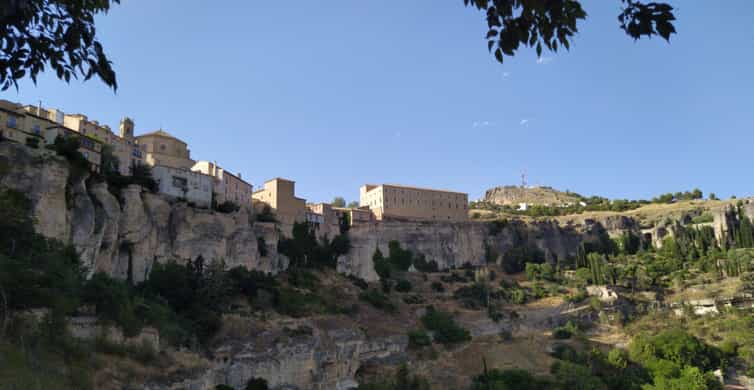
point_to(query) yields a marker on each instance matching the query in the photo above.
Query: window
(12, 122)
(162, 147)
(37, 130)
(86, 154)
(180, 182)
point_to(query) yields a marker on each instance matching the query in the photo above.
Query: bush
(515, 259)
(437, 286)
(358, 282)
(421, 264)
(561, 333)
(257, 384)
(378, 300)
(445, 329)
(228, 207)
(32, 142)
(418, 339)
(403, 285)
(566, 331)
(474, 296)
(266, 215)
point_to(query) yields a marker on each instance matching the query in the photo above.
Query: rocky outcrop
(514, 195)
(125, 235)
(309, 356)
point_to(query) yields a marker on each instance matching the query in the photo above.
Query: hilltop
(544, 196)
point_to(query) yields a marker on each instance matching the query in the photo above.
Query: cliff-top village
(205, 183)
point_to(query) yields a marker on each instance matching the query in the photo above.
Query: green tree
(338, 201)
(110, 164)
(353, 205)
(60, 34)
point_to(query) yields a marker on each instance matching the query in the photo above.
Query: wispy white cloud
(506, 74)
(476, 124)
(544, 60)
(524, 122)
(397, 134)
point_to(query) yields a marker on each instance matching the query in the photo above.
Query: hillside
(108, 288)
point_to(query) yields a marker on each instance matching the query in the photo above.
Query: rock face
(514, 195)
(312, 356)
(124, 236)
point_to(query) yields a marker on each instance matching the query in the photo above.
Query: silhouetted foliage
(60, 34)
(552, 24)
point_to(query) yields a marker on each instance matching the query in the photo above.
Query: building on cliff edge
(390, 201)
(280, 195)
(228, 187)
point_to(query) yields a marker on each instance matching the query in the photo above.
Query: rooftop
(415, 188)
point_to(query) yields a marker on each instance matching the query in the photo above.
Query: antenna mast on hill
(523, 179)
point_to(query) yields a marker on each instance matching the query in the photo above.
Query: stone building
(194, 187)
(89, 147)
(280, 195)
(404, 202)
(13, 124)
(358, 216)
(161, 148)
(228, 187)
(41, 127)
(124, 145)
(127, 148)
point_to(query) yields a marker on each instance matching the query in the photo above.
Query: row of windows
(411, 202)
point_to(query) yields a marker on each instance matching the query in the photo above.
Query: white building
(228, 187)
(195, 187)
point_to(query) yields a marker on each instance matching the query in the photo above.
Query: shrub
(32, 142)
(358, 282)
(378, 300)
(474, 296)
(516, 295)
(437, 286)
(515, 259)
(261, 246)
(403, 285)
(418, 339)
(561, 333)
(566, 331)
(445, 329)
(381, 265)
(257, 384)
(422, 265)
(266, 215)
(228, 207)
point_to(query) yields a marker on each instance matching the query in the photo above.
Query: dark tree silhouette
(60, 34)
(552, 23)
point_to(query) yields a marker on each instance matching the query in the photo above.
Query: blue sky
(336, 94)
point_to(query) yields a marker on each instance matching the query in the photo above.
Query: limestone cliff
(125, 235)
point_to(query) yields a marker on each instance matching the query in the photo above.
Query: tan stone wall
(387, 201)
(280, 195)
(166, 151)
